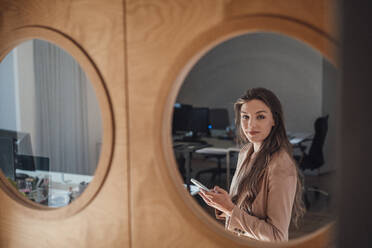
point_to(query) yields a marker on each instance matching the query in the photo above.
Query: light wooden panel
(165, 39)
(100, 217)
(320, 15)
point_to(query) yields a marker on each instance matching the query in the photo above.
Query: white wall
(331, 92)
(25, 92)
(7, 94)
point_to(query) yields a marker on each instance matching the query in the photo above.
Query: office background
(306, 83)
(45, 93)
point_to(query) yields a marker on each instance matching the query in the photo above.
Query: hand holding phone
(199, 184)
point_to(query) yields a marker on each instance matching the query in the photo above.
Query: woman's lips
(253, 132)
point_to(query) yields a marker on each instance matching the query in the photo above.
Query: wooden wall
(138, 52)
(93, 32)
(165, 38)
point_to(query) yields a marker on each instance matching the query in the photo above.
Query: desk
(225, 152)
(220, 148)
(218, 153)
(188, 149)
(220, 143)
(60, 185)
(223, 148)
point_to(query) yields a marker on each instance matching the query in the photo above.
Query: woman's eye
(245, 117)
(260, 117)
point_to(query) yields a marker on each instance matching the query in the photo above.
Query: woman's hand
(218, 199)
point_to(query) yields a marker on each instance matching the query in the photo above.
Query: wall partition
(136, 55)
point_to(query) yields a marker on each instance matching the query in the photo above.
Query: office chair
(314, 159)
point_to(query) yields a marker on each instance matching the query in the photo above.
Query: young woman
(266, 190)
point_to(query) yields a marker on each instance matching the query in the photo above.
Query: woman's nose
(251, 123)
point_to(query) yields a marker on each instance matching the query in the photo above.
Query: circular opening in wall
(274, 170)
(55, 126)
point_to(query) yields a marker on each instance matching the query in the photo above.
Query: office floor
(321, 211)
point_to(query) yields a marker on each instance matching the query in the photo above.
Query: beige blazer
(271, 211)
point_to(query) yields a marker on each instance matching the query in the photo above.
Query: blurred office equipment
(11, 143)
(29, 162)
(181, 114)
(219, 118)
(213, 152)
(199, 123)
(7, 157)
(230, 155)
(314, 159)
(219, 122)
(16, 153)
(191, 123)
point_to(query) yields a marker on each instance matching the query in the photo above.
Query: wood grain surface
(140, 51)
(165, 39)
(92, 32)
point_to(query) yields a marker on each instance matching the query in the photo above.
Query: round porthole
(205, 134)
(56, 131)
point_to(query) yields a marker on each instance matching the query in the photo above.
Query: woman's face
(256, 121)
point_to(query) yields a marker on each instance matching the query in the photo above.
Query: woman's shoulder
(282, 163)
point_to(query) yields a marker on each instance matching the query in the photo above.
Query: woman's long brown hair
(276, 141)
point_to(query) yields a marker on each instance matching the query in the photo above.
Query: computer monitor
(199, 121)
(219, 118)
(22, 141)
(187, 118)
(31, 163)
(181, 118)
(7, 156)
(16, 152)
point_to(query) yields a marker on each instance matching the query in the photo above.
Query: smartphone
(199, 184)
